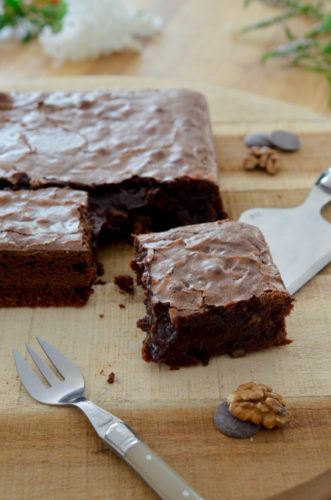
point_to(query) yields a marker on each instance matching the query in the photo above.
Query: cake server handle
(160, 476)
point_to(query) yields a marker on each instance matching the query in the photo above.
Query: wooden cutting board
(54, 452)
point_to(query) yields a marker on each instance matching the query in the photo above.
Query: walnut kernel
(259, 404)
(263, 157)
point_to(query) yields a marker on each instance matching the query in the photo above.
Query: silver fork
(112, 430)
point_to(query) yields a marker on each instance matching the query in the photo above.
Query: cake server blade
(299, 238)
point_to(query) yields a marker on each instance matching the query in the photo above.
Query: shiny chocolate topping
(47, 218)
(97, 137)
(211, 264)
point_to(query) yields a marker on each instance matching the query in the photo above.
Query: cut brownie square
(210, 289)
(45, 253)
(146, 157)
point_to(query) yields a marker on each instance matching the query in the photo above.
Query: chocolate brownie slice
(146, 157)
(210, 289)
(45, 252)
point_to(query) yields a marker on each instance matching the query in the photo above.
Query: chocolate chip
(285, 141)
(125, 283)
(232, 426)
(258, 139)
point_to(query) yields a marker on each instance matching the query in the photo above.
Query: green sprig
(34, 15)
(310, 50)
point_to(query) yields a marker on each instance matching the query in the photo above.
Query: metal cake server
(113, 431)
(299, 238)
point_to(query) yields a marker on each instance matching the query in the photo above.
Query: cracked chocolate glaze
(207, 265)
(97, 138)
(46, 219)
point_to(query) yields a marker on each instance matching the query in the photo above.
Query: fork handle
(125, 442)
(163, 479)
(160, 476)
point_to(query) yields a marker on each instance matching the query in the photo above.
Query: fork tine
(65, 367)
(46, 372)
(29, 379)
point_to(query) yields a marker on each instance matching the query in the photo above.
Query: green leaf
(268, 55)
(267, 22)
(296, 45)
(288, 33)
(327, 48)
(14, 7)
(310, 50)
(37, 13)
(246, 3)
(326, 24)
(27, 37)
(329, 80)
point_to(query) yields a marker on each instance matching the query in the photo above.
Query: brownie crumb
(125, 283)
(101, 315)
(111, 378)
(122, 306)
(102, 372)
(100, 282)
(100, 269)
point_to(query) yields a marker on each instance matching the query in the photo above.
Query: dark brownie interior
(143, 205)
(210, 289)
(236, 330)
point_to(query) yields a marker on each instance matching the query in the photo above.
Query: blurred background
(197, 42)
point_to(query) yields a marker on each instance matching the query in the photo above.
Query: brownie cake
(146, 157)
(45, 251)
(210, 289)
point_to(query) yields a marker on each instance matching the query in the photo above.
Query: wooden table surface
(194, 45)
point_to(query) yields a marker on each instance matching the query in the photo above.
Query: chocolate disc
(232, 426)
(258, 139)
(285, 141)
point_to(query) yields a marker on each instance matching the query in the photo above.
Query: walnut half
(262, 157)
(257, 403)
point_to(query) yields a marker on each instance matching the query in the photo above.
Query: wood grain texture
(58, 454)
(54, 452)
(195, 44)
(318, 487)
